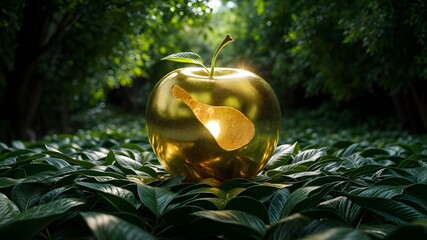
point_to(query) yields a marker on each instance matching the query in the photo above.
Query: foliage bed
(107, 184)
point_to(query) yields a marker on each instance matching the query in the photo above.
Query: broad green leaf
(97, 173)
(236, 183)
(390, 209)
(261, 193)
(117, 170)
(192, 197)
(186, 187)
(56, 153)
(279, 176)
(148, 170)
(140, 179)
(409, 163)
(338, 233)
(110, 158)
(42, 177)
(171, 182)
(38, 169)
(133, 146)
(132, 155)
(92, 155)
(308, 155)
(178, 216)
(342, 208)
(31, 158)
(213, 182)
(363, 170)
(296, 168)
(57, 162)
(207, 190)
(419, 174)
(3, 146)
(185, 57)
(388, 160)
(8, 209)
(305, 174)
(203, 203)
(235, 217)
(277, 204)
(146, 157)
(327, 163)
(348, 210)
(6, 169)
(127, 162)
(154, 198)
(306, 197)
(121, 199)
(249, 205)
(27, 195)
(417, 194)
(380, 191)
(220, 198)
(62, 192)
(287, 228)
(29, 223)
(357, 160)
(18, 144)
(282, 155)
(232, 193)
(8, 182)
(347, 151)
(322, 180)
(395, 181)
(16, 153)
(105, 226)
(104, 179)
(418, 157)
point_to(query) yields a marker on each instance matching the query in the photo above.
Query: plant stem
(228, 39)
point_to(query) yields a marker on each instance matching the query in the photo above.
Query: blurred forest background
(65, 60)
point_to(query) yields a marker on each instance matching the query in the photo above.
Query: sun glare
(214, 128)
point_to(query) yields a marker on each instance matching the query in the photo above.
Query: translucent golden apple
(222, 127)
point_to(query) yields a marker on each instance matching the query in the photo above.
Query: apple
(221, 124)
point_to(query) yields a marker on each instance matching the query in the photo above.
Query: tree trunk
(417, 91)
(408, 112)
(24, 84)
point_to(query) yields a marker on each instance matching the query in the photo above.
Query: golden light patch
(230, 128)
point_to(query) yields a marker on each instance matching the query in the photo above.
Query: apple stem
(228, 39)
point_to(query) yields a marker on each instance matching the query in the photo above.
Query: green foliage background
(366, 55)
(59, 58)
(75, 162)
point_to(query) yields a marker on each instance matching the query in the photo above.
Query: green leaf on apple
(185, 57)
(190, 57)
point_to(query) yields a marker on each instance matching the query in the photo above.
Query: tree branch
(65, 23)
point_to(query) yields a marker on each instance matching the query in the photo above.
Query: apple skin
(183, 144)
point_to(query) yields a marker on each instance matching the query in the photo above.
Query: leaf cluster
(84, 186)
